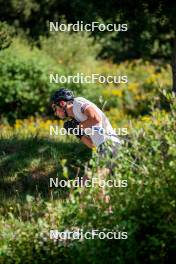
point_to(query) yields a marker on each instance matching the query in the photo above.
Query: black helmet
(62, 94)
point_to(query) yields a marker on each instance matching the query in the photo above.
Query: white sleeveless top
(103, 130)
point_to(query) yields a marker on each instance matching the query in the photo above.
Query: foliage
(77, 52)
(29, 156)
(6, 34)
(25, 75)
(151, 26)
(24, 87)
(25, 72)
(145, 209)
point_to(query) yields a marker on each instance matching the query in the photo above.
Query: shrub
(24, 82)
(76, 52)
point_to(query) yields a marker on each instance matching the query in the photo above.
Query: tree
(151, 33)
(152, 28)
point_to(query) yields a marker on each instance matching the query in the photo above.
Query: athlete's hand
(71, 125)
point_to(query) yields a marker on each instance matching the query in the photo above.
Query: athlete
(94, 127)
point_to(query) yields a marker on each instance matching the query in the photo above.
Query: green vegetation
(24, 68)
(29, 156)
(145, 209)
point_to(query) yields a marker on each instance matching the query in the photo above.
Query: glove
(70, 128)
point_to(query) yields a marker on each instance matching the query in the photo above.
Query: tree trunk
(174, 67)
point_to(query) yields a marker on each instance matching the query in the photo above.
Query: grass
(26, 164)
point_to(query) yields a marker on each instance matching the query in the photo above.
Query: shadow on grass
(26, 166)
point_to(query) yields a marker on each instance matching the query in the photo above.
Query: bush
(76, 52)
(24, 82)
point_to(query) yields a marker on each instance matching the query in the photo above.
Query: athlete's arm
(93, 118)
(87, 141)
